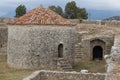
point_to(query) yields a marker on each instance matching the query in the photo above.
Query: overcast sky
(7, 7)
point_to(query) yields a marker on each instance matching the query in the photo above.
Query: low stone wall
(111, 23)
(75, 20)
(97, 22)
(6, 20)
(55, 75)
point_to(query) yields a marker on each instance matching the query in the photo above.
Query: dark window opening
(97, 53)
(60, 51)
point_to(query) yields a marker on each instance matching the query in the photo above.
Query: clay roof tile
(42, 16)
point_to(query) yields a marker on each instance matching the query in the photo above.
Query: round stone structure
(37, 43)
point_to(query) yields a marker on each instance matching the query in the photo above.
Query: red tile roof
(42, 16)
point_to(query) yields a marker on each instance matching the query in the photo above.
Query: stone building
(41, 39)
(97, 46)
(93, 43)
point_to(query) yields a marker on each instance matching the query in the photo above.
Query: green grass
(7, 73)
(91, 66)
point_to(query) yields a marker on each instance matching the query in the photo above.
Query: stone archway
(97, 48)
(97, 53)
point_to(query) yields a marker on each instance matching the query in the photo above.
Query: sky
(7, 7)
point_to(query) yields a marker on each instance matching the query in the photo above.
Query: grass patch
(91, 66)
(7, 73)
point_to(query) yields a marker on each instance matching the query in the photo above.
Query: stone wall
(3, 40)
(112, 23)
(55, 75)
(96, 22)
(87, 47)
(6, 20)
(75, 20)
(36, 47)
(113, 61)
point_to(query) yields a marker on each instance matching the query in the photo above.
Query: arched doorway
(60, 50)
(97, 53)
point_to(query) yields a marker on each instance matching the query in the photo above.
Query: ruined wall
(55, 75)
(78, 21)
(75, 20)
(113, 61)
(36, 47)
(3, 40)
(112, 23)
(86, 45)
(6, 20)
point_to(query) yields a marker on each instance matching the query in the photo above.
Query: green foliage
(71, 10)
(20, 10)
(74, 12)
(81, 13)
(92, 66)
(52, 7)
(57, 9)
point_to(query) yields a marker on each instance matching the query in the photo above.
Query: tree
(53, 8)
(20, 10)
(74, 12)
(57, 9)
(70, 10)
(81, 13)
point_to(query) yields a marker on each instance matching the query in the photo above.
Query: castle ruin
(41, 39)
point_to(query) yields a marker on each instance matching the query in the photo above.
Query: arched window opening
(97, 53)
(60, 51)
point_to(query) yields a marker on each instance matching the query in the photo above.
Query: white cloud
(100, 4)
(89, 4)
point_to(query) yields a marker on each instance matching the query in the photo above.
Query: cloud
(100, 4)
(10, 5)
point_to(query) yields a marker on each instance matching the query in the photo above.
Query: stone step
(77, 53)
(78, 56)
(67, 68)
(77, 49)
(64, 65)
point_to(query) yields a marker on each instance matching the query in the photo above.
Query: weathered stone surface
(113, 23)
(36, 47)
(84, 71)
(89, 42)
(6, 20)
(113, 61)
(56, 75)
(3, 40)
